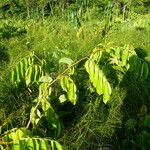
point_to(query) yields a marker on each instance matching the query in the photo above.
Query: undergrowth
(90, 123)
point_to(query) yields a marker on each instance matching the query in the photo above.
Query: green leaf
(44, 90)
(30, 144)
(26, 65)
(13, 136)
(45, 105)
(64, 83)
(124, 57)
(46, 79)
(36, 69)
(13, 75)
(96, 55)
(16, 146)
(19, 134)
(23, 144)
(71, 70)
(106, 91)
(1, 147)
(69, 86)
(72, 93)
(28, 77)
(99, 85)
(59, 129)
(91, 70)
(21, 69)
(55, 145)
(44, 145)
(38, 113)
(119, 68)
(62, 98)
(34, 116)
(87, 66)
(117, 53)
(98, 80)
(96, 75)
(18, 73)
(144, 71)
(66, 61)
(132, 62)
(36, 144)
(138, 67)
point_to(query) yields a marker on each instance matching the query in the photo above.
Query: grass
(97, 124)
(129, 33)
(94, 123)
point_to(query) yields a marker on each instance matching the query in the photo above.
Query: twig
(57, 78)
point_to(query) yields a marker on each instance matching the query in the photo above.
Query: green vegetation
(74, 74)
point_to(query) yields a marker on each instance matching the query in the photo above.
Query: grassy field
(122, 123)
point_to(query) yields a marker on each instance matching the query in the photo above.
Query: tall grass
(94, 123)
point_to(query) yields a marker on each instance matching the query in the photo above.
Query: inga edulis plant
(31, 70)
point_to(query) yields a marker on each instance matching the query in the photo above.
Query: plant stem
(57, 78)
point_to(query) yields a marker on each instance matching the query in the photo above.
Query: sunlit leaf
(66, 61)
